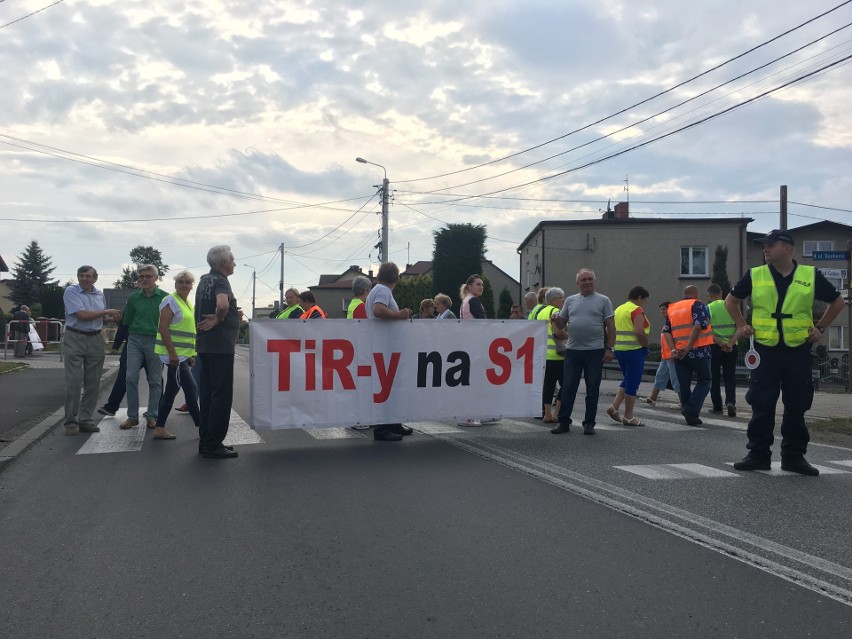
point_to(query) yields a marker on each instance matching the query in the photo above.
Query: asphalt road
(502, 531)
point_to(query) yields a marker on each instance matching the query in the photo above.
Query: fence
(48, 331)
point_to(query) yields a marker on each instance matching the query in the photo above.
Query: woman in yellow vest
(554, 365)
(175, 344)
(631, 347)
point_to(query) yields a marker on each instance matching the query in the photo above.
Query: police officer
(782, 293)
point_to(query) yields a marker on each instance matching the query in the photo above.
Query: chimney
(622, 210)
(608, 214)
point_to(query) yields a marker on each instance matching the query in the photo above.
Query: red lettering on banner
(331, 365)
(495, 354)
(284, 347)
(386, 376)
(526, 351)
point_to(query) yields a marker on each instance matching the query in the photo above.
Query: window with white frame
(693, 261)
(836, 338)
(809, 246)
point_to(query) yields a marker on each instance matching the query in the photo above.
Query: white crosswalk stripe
(676, 471)
(777, 472)
(335, 432)
(112, 439)
(842, 462)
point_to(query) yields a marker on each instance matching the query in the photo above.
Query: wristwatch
(821, 329)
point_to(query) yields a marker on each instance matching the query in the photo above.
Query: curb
(26, 440)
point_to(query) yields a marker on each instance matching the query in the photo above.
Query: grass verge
(837, 430)
(7, 367)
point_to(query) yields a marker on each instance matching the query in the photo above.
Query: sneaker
(732, 410)
(89, 428)
(588, 429)
(73, 429)
(106, 410)
(130, 422)
(469, 422)
(652, 402)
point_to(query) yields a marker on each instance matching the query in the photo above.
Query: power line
(649, 117)
(632, 106)
(8, 24)
(816, 206)
(693, 124)
(151, 175)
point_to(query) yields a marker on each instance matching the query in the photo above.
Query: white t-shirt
(171, 302)
(383, 295)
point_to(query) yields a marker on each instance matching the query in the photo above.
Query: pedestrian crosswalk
(112, 439)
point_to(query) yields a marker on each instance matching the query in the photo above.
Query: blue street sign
(826, 256)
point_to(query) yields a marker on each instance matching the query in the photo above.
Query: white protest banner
(346, 372)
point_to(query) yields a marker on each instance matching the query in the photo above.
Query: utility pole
(848, 316)
(385, 195)
(384, 257)
(783, 225)
(281, 281)
(253, 289)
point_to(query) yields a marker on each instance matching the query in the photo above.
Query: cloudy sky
(187, 124)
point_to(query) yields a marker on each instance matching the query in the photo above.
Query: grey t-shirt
(586, 316)
(383, 295)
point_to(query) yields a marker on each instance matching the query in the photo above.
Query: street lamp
(385, 191)
(253, 287)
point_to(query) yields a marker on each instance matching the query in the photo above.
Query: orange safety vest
(665, 350)
(680, 318)
(307, 314)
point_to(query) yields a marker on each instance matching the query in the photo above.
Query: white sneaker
(469, 422)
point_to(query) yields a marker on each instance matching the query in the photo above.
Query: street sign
(844, 293)
(836, 273)
(827, 256)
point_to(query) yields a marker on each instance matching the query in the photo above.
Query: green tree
(31, 274)
(410, 291)
(720, 269)
(506, 302)
(138, 256)
(487, 298)
(458, 253)
(52, 304)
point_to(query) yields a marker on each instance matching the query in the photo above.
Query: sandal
(635, 421)
(616, 416)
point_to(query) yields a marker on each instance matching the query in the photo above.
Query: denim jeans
(178, 377)
(141, 348)
(665, 372)
(589, 365)
(693, 398)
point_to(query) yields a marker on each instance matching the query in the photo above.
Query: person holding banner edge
(382, 306)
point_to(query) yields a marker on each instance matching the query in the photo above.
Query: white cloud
(279, 98)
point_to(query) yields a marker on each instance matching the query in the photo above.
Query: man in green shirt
(142, 316)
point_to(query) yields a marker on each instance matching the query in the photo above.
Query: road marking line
(676, 471)
(437, 428)
(813, 572)
(842, 462)
(240, 433)
(112, 439)
(777, 472)
(335, 432)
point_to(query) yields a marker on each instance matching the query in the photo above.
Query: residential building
(663, 255)
(334, 292)
(499, 279)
